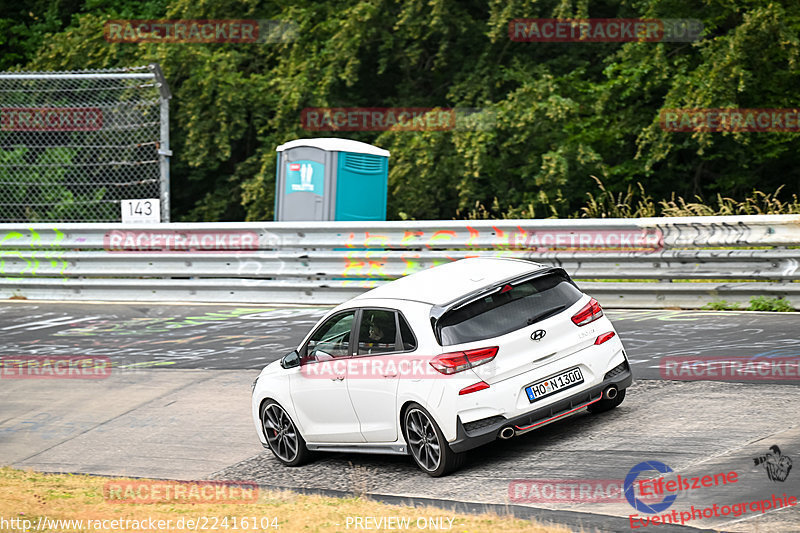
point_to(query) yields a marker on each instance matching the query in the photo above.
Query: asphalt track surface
(177, 406)
(219, 337)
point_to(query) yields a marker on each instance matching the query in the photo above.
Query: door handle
(338, 378)
(390, 375)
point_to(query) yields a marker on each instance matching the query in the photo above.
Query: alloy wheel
(423, 440)
(280, 432)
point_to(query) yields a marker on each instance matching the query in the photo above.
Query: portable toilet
(331, 179)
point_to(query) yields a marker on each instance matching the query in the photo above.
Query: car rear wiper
(546, 313)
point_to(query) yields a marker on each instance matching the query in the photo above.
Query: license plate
(546, 387)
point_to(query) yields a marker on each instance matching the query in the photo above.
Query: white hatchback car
(440, 362)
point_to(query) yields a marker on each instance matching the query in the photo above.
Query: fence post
(164, 151)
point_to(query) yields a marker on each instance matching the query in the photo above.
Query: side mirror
(291, 360)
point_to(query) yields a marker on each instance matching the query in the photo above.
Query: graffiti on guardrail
(327, 261)
(17, 248)
(532, 240)
(365, 255)
(250, 270)
(373, 264)
(710, 234)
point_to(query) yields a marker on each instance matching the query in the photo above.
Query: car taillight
(475, 387)
(452, 362)
(588, 314)
(604, 337)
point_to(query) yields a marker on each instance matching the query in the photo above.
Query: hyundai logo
(538, 334)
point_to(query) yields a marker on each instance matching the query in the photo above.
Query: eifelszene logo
(630, 480)
(776, 464)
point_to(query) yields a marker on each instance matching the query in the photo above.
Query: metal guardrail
(652, 262)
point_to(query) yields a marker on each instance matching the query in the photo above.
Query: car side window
(408, 339)
(332, 339)
(377, 332)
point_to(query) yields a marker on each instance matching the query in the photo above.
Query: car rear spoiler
(438, 311)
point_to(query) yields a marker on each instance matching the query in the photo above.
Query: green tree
(564, 112)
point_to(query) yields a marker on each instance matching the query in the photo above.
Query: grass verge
(33, 496)
(757, 303)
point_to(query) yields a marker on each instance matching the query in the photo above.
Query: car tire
(607, 405)
(426, 443)
(283, 437)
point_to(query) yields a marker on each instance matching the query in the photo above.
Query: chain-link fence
(75, 145)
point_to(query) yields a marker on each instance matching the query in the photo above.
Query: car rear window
(508, 309)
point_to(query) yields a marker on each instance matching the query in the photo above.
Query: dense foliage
(564, 112)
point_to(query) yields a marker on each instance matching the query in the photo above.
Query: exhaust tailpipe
(611, 392)
(506, 433)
